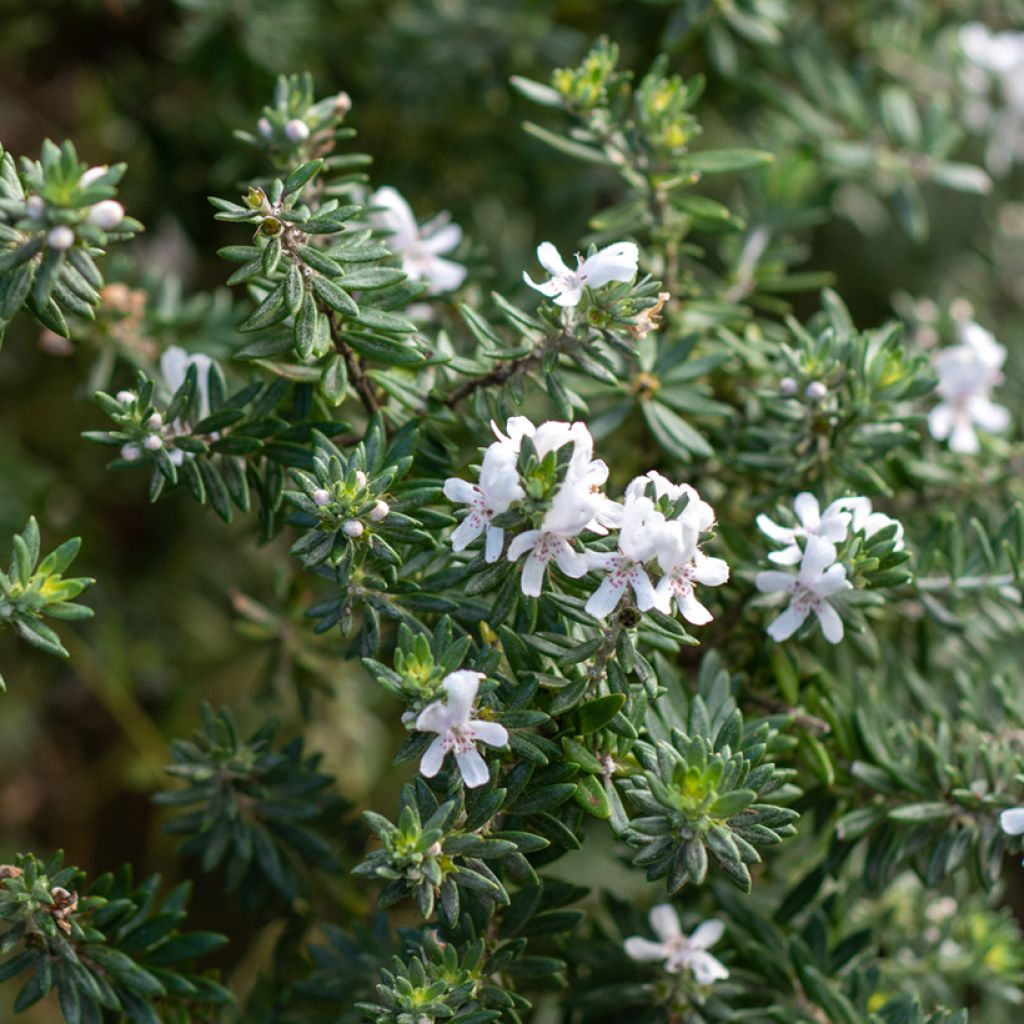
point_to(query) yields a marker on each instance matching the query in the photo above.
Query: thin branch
(356, 372)
(499, 375)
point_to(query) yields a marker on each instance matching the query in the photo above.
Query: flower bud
(154, 442)
(265, 128)
(130, 452)
(35, 207)
(787, 386)
(380, 511)
(125, 397)
(60, 238)
(107, 214)
(296, 130)
(360, 478)
(321, 497)
(816, 391)
(93, 174)
(353, 528)
(155, 422)
(342, 104)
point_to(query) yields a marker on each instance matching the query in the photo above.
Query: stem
(933, 583)
(356, 371)
(497, 376)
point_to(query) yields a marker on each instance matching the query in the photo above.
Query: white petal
(495, 541)
(432, 759)
(434, 718)
(548, 257)
(807, 509)
(440, 240)
(549, 288)
(831, 623)
(443, 275)
(494, 734)
(571, 562)
(787, 556)
(533, 576)
(644, 590)
(1011, 821)
(940, 421)
(693, 611)
(770, 581)
(173, 367)
(460, 491)
(964, 440)
(832, 581)
(522, 542)
(473, 768)
(466, 532)
(616, 262)
(638, 948)
(707, 969)
(775, 532)
(787, 624)
(665, 922)
(989, 416)
(712, 572)
(818, 556)
(605, 599)
(706, 934)
(462, 687)
(569, 295)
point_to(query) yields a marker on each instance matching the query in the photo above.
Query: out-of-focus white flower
(637, 543)
(1011, 821)
(174, 366)
(616, 262)
(816, 391)
(967, 374)
(811, 588)
(788, 385)
(35, 207)
(421, 247)
(265, 128)
(832, 525)
(130, 452)
(458, 732)
(678, 951)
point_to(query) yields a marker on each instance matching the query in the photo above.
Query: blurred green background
(161, 85)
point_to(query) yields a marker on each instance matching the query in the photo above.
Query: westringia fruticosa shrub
(666, 569)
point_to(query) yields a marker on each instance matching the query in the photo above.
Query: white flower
(637, 542)
(831, 525)
(1011, 821)
(420, 247)
(697, 510)
(865, 521)
(174, 365)
(570, 511)
(60, 238)
(458, 731)
(817, 580)
(106, 214)
(617, 262)
(496, 490)
(967, 374)
(684, 565)
(679, 951)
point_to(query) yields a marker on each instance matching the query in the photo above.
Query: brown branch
(356, 372)
(497, 376)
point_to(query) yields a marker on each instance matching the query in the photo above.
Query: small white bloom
(92, 175)
(1011, 821)
(35, 207)
(131, 452)
(684, 565)
(496, 490)
(353, 528)
(125, 397)
(106, 214)
(817, 580)
(60, 238)
(296, 130)
(458, 731)
(154, 442)
(380, 511)
(265, 128)
(678, 951)
(832, 525)
(421, 247)
(637, 541)
(816, 391)
(174, 366)
(321, 497)
(967, 374)
(616, 262)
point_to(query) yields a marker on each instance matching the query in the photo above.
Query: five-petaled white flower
(421, 247)
(678, 951)
(616, 262)
(684, 565)
(639, 534)
(493, 494)
(1011, 821)
(819, 578)
(832, 525)
(458, 732)
(967, 374)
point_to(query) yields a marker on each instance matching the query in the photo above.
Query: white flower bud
(787, 386)
(125, 397)
(107, 214)
(816, 391)
(155, 422)
(296, 130)
(353, 528)
(380, 511)
(35, 207)
(93, 174)
(321, 497)
(360, 478)
(130, 452)
(154, 442)
(265, 128)
(435, 850)
(60, 238)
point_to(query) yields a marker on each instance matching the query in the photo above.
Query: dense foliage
(624, 568)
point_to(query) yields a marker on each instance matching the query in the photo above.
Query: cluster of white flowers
(680, 952)
(646, 536)
(458, 730)
(967, 374)
(616, 262)
(421, 247)
(994, 80)
(819, 577)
